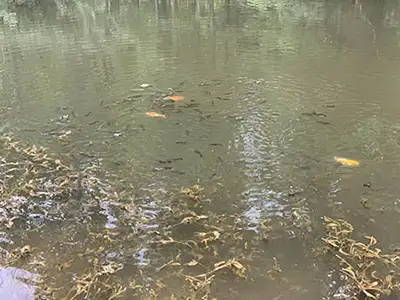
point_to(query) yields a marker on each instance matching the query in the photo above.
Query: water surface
(273, 91)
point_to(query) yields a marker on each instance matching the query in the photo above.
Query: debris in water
(369, 272)
(193, 218)
(193, 192)
(233, 264)
(34, 177)
(207, 237)
(97, 284)
(192, 263)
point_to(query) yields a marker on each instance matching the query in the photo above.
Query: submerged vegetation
(201, 249)
(51, 187)
(369, 271)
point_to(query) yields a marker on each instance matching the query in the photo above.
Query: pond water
(273, 91)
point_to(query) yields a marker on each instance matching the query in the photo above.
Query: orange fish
(347, 162)
(154, 114)
(175, 98)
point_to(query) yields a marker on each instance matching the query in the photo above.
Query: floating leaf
(154, 114)
(175, 98)
(347, 162)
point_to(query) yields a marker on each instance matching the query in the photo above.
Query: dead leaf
(347, 162)
(175, 98)
(207, 237)
(195, 218)
(154, 114)
(192, 263)
(236, 267)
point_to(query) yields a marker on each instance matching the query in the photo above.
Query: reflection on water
(273, 91)
(14, 284)
(261, 158)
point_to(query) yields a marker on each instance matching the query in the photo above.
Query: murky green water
(273, 91)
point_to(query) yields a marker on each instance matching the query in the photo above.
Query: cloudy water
(193, 134)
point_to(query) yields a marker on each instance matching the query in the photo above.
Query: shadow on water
(240, 171)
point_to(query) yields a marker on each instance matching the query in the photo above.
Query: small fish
(347, 162)
(4, 127)
(154, 114)
(175, 98)
(198, 153)
(323, 122)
